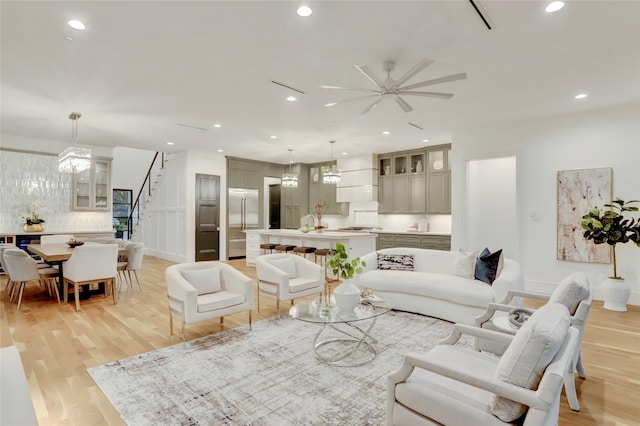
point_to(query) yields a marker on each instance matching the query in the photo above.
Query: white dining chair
(135, 254)
(91, 264)
(22, 270)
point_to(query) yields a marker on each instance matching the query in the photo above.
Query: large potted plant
(612, 227)
(347, 294)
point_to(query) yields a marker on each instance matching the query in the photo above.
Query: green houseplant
(347, 294)
(613, 227)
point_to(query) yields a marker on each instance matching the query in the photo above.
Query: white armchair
(288, 277)
(574, 293)
(91, 263)
(199, 291)
(454, 385)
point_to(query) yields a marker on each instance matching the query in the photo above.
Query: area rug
(264, 376)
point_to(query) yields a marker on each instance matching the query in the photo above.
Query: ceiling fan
(390, 88)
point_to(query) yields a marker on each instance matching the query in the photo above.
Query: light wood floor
(57, 345)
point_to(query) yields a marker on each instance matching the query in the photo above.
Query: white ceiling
(140, 67)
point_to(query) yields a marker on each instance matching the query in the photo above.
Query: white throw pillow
(287, 265)
(571, 291)
(532, 349)
(465, 265)
(204, 280)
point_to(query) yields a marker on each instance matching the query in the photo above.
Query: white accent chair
(91, 264)
(15, 398)
(574, 293)
(55, 239)
(135, 254)
(200, 291)
(288, 277)
(3, 247)
(23, 269)
(455, 385)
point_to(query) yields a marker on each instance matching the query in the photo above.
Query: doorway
(274, 206)
(491, 211)
(207, 217)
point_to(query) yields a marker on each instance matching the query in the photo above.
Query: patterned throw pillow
(395, 262)
(465, 265)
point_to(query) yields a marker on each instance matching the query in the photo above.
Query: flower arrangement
(31, 213)
(318, 207)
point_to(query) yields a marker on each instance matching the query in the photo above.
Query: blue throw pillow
(487, 265)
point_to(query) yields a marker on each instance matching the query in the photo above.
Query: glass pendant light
(290, 180)
(332, 175)
(74, 159)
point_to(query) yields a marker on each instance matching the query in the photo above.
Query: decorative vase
(34, 227)
(616, 294)
(347, 295)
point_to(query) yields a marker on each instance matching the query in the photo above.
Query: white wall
(129, 168)
(602, 138)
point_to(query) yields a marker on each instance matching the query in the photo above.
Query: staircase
(147, 190)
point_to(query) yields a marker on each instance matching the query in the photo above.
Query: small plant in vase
(347, 294)
(30, 216)
(318, 207)
(612, 227)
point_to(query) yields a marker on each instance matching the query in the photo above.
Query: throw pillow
(571, 291)
(487, 266)
(465, 265)
(532, 349)
(287, 265)
(395, 262)
(204, 280)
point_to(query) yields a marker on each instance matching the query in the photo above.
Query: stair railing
(134, 215)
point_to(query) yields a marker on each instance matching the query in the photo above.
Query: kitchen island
(356, 243)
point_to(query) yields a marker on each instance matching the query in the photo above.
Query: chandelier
(74, 159)
(332, 175)
(290, 180)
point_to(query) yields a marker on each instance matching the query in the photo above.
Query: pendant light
(332, 175)
(290, 180)
(74, 159)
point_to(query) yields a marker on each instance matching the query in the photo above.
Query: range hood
(359, 179)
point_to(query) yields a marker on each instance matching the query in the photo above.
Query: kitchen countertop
(385, 231)
(312, 234)
(46, 232)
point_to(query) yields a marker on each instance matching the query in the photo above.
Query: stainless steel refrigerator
(243, 215)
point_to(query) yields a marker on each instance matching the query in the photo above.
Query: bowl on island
(305, 230)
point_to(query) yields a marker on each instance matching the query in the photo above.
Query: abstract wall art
(578, 192)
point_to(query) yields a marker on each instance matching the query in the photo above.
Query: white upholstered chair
(288, 277)
(90, 264)
(135, 254)
(23, 269)
(574, 293)
(55, 239)
(200, 291)
(455, 385)
(3, 247)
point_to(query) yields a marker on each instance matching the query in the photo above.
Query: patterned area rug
(265, 376)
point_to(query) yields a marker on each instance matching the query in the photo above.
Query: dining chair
(91, 264)
(23, 269)
(3, 247)
(55, 239)
(135, 254)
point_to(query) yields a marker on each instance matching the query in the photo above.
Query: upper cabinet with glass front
(92, 188)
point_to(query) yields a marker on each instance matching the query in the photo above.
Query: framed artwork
(578, 192)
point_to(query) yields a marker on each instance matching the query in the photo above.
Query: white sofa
(432, 289)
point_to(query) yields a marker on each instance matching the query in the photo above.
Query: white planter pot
(616, 294)
(347, 295)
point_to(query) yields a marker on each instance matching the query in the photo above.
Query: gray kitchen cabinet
(439, 180)
(400, 194)
(401, 182)
(405, 239)
(318, 190)
(91, 189)
(295, 201)
(385, 194)
(243, 174)
(417, 191)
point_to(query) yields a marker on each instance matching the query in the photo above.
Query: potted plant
(612, 227)
(318, 207)
(347, 294)
(30, 216)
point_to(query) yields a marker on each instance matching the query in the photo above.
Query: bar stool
(284, 248)
(304, 251)
(267, 246)
(321, 258)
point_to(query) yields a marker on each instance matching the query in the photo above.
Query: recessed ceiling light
(169, 143)
(273, 137)
(386, 132)
(291, 98)
(581, 96)
(425, 140)
(330, 104)
(554, 6)
(74, 23)
(344, 153)
(220, 150)
(304, 11)
(217, 125)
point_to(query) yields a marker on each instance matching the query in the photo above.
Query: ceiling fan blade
(446, 79)
(370, 107)
(429, 94)
(349, 88)
(413, 71)
(370, 75)
(350, 100)
(405, 106)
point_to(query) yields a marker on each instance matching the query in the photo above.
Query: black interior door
(274, 206)
(207, 217)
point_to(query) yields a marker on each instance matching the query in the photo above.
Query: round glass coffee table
(356, 347)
